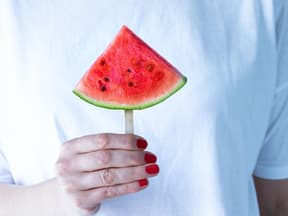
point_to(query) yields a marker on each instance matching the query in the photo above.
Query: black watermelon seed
(129, 70)
(100, 83)
(103, 88)
(130, 84)
(106, 79)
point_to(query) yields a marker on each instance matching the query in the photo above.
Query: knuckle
(103, 157)
(102, 140)
(107, 177)
(109, 192)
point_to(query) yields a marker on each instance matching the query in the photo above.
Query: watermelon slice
(129, 75)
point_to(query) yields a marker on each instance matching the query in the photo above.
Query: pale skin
(94, 168)
(90, 169)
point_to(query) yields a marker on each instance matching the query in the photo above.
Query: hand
(97, 167)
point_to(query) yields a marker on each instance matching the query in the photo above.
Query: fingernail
(141, 143)
(150, 158)
(143, 182)
(152, 169)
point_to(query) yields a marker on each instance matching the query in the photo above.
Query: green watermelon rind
(145, 105)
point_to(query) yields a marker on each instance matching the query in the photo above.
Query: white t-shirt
(228, 122)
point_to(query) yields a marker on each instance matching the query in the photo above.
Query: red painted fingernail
(150, 158)
(152, 169)
(143, 182)
(141, 143)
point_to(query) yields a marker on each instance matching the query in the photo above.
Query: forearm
(272, 196)
(45, 199)
(281, 209)
(278, 209)
(274, 211)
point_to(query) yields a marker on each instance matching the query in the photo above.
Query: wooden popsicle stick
(129, 123)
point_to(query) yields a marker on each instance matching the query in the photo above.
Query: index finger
(97, 142)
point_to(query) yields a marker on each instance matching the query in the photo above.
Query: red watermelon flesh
(129, 75)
